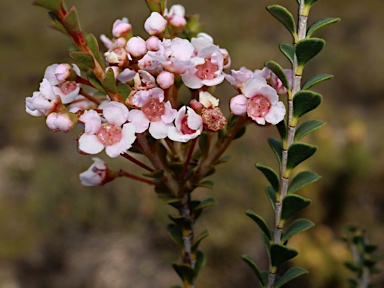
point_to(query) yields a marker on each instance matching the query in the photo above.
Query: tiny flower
(117, 56)
(176, 16)
(59, 73)
(121, 27)
(115, 134)
(259, 101)
(42, 102)
(213, 118)
(60, 121)
(136, 46)
(202, 40)
(63, 72)
(165, 79)
(96, 174)
(154, 114)
(68, 91)
(238, 78)
(155, 24)
(188, 125)
(209, 73)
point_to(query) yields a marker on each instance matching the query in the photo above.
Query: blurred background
(56, 233)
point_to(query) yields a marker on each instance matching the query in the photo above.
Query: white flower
(96, 173)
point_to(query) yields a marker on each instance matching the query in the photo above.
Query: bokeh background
(56, 233)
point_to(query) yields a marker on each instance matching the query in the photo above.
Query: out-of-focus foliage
(56, 233)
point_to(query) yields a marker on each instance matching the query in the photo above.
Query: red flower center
(153, 110)
(184, 128)
(258, 106)
(109, 134)
(207, 70)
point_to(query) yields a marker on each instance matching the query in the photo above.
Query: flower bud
(153, 43)
(63, 72)
(136, 46)
(165, 79)
(155, 24)
(60, 121)
(117, 56)
(121, 27)
(238, 105)
(96, 174)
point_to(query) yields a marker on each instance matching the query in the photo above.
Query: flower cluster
(153, 69)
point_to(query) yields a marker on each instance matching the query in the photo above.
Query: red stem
(137, 162)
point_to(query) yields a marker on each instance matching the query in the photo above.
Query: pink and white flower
(176, 16)
(155, 114)
(114, 133)
(259, 101)
(96, 174)
(121, 27)
(155, 24)
(188, 125)
(42, 102)
(176, 55)
(60, 122)
(208, 73)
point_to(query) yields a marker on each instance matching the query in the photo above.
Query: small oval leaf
(254, 268)
(278, 71)
(71, 21)
(186, 272)
(271, 175)
(296, 227)
(305, 101)
(307, 127)
(284, 16)
(175, 233)
(308, 48)
(83, 58)
(288, 50)
(291, 274)
(293, 204)
(298, 152)
(302, 179)
(260, 222)
(280, 254)
(321, 23)
(200, 262)
(315, 80)
(277, 147)
(206, 184)
(197, 240)
(110, 81)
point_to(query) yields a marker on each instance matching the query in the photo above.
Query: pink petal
(276, 113)
(90, 144)
(138, 118)
(116, 113)
(159, 130)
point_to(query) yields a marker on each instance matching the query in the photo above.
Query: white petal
(92, 121)
(159, 130)
(194, 120)
(116, 113)
(138, 118)
(251, 88)
(276, 113)
(191, 80)
(90, 144)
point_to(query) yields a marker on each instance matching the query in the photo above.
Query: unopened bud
(136, 46)
(153, 43)
(121, 27)
(60, 121)
(165, 79)
(155, 24)
(117, 56)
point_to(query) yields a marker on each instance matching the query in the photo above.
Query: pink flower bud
(136, 46)
(165, 79)
(63, 71)
(153, 43)
(121, 28)
(155, 24)
(196, 106)
(96, 174)
(117, 56)
(60, 122)
(238, 105)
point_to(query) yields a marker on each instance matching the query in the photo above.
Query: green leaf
(288, 50)
(305, 101)
(54, 5)
(197, 241)
(282, 128)
(240, 132)
(315, 80)
(110, 81)
(157, 5)
(168, 199)
(284, 16)
(321, 23)
(83, 58)
(307, 127)
(254, 268)
(124, 90)
(291, 274)
(296, 227)
(293, 204)
(271, 196)
(277, 147)
(260, 222)
(93, 45)
(278, 71)
(302, 179)
(200, 262)
(310, 2)
(298, 152)
(205, 184)
(205, 204)
(280, 254)
(71, 21)
(175, 233)
(95, 82)
(185, 272)
(271, 175)
(308, 48)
